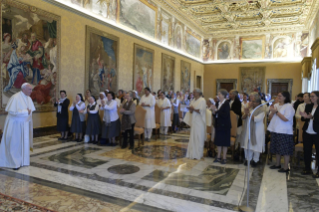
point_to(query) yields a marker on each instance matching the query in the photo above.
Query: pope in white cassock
(196, 119)
(17, 139)
(166, 108)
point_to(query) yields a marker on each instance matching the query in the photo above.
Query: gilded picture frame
(97, 78)
(29, 42)
(143, 68)
(252, 48)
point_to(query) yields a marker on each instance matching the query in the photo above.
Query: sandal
(283, 170)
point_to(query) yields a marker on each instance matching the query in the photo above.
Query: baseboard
(43, 131)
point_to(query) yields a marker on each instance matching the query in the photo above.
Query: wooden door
(227, 86)
(199, 82)
(278, 87)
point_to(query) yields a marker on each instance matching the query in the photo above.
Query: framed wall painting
(146, 20)
(185, 76)
(252, 79)
(192, 44)
(30, 53)
(143, 66)
(252, 48)
(168, 72)
(101, 61)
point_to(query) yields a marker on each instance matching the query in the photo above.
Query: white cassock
(259, 133)
(165, 114)
(17, 140)
(150, 114)
(197, 122)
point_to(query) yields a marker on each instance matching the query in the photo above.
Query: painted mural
(30, 53)
(282, 48)
(143, 68)
(185, 76)
(252, 48)
(304, 45)
(101, 61)
(192, 45)
(168, 72)
(223, 51)
(139, 15)
(179, 37)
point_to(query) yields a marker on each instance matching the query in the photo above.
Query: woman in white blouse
(78, 119)
(281, 129)
(111, 122)
(93, 120)
(310, 131)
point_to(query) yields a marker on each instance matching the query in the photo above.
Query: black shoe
(124, 147)
(316, 175)
(283, 170)
(245, 163)
(130, 147)
(275, 167)
(16, 169)
(253, 164)
(60, 139)
(217, 160)
(306, 172)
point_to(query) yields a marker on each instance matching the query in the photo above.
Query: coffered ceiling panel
(215, 17)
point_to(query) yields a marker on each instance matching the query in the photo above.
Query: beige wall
(73, 58)
(231, 71)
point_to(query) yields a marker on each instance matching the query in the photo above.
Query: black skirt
(62, 123)
(222, 137)
(93, 124)
(77, 126)
(282, 144)
(112, 130)
(176, 119)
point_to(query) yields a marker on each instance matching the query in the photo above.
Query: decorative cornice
(315, 44)
(306, 60)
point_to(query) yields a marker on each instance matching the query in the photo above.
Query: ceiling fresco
(217, 17)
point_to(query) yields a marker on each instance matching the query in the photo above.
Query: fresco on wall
(304, 45)
(223, 51)
(252, 79)
(143, 68)
(185, 76)
(165, 32)
(252, 48)
(30, 53)
(206, 50)
(179, 37)
(101, 61)
(139, 15)
(282, 48)
(192, 45)
(105, 8)
(168, 72)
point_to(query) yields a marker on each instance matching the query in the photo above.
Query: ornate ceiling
(217, 17)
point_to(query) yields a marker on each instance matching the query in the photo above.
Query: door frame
(219, 81)
(289, 81)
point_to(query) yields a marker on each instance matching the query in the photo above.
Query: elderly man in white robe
(196, 119)
(166, 108)
(148, 103)
(257, 131)
(17, 140)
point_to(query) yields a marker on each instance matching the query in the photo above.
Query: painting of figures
(178, 37)
(252, 79)
(185, 76)
(101, 61)
(282, 48)
(30, 53)
(168, 72)
(223, 51)
(192, 45)
(252, 48)
(139, 15)
(143, 68)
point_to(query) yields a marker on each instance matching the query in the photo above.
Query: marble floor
(71, 176)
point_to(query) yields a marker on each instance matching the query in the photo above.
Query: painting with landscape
(139, 15)
(30, 53)
(192, 45)
(252, 48)
(143, 68)
(185, 76)
(101, 61)
(168, 72)
(252, 79)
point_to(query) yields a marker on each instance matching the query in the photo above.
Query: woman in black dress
(78, 119)
(222, 126)
(62, 115)
(93, 120)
